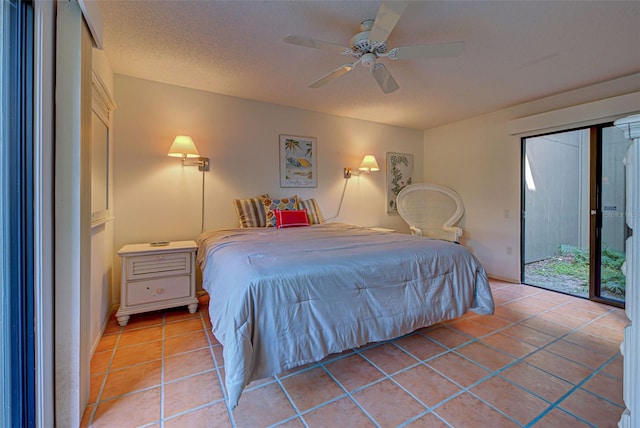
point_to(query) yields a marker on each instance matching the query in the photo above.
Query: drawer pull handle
(160, 258)
(159, 290)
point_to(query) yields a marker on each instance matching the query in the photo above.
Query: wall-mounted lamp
(184, 147)
(369, 164)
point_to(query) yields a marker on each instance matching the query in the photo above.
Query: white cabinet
(157, 277)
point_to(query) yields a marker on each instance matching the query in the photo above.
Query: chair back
(431, 210)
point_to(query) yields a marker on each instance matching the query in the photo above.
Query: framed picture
(399, 175)
(298, 161)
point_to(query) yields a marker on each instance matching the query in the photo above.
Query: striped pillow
(250, 211)
(313, 210)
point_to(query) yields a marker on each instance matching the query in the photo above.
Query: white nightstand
(156, 278)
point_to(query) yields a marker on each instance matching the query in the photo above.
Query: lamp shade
(369, 164)
(183, 147)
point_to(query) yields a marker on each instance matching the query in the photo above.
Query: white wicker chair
(431, 210)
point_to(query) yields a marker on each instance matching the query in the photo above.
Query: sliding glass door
(612, 231)
(573, 212)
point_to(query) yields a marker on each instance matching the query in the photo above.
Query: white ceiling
(515, 51)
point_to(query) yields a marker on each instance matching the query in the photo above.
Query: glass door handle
(598, 216)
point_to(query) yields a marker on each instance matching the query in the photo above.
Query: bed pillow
(271, 204)
(250, 211)
(313, 210)
(291, 218)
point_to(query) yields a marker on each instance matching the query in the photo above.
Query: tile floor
(543, 359)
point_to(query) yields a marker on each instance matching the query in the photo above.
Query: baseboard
(499, 278)
(105, 322)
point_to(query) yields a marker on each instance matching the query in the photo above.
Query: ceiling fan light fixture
(366, 25)
(368, 60)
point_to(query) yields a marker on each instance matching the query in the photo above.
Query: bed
(281, 298)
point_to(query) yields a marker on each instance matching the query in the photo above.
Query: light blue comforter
(280, 298)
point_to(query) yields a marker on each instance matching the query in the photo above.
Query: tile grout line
(432, 409)
(557, 339)
(424, 362)
(204, 405)
(293, 405)
(349, 395)
(571, 391)
(521, 359)
(425, 413)
(467, 389)
(454, 350)
(217, 367)
(493, 373)
(106, 375)
(575, 386)
(419, 362)
(497, 372)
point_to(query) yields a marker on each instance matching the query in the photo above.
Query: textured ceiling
(515, 51)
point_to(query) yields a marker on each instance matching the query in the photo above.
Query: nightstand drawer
(158, 289)
(158, 265)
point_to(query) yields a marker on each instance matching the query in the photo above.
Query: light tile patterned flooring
(543, 359)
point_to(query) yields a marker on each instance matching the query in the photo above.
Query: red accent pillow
(291, 218)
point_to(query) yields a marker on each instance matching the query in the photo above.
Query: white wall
(101, 239)
(158, 199)
(480, 158)
(482, 164)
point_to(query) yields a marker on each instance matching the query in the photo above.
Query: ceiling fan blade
(386, 81)
(313, 43)
(343, 69)
(386, 19)
(436, 50)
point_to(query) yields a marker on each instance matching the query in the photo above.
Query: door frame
(595, 240)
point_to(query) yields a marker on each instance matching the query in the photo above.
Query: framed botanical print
(298, 161)
(399, 175)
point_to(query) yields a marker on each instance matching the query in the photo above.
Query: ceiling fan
(370, 43)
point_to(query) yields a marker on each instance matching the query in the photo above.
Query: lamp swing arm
(184, 148)
(201, 163)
